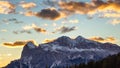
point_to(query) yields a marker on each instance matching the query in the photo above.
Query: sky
(42, 21)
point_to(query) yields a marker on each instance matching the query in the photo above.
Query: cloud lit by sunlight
(6, 7)
(103, 40)
(17, 43)
(48, 40)
(3, 30)
(27, 5)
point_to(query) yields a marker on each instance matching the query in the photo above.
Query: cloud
(48, 40)
(27, 29)
(66, 8)
(103, 40)
(3, 30)
(17, 43)
(15, 32)
(22, 31)
(54, 24)
(65, 29)
(74, 21)
(6, 7)
(50, 13)
(38, 29)
(27, 5)
(108, 15)
(51, 3)
(76, 7)
(115, 21)
(34, 27)
(90, 8)
(13, 20)
(29, 13)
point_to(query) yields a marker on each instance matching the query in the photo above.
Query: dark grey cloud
(48, 14)
(22, 31)
(50, 3)
(65, 29)
(13, 20)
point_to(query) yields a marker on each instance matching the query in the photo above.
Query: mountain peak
(30, 45)
(64, 52)
(79, 38)
(63, 38)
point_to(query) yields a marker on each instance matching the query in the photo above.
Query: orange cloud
(35, 27)
(48, 40)
(38, 29)
(77, 7)
(6, 7)
(103, 40)
(110, 6)
(17, 43)
(29, 13)
(90, 8)
(27, 5)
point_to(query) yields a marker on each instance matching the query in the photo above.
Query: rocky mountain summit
(63, 52)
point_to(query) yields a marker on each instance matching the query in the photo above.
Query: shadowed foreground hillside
(109, 62)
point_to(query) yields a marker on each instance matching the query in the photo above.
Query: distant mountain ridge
(63, 52)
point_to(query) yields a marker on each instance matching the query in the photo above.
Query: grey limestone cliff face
(63, 52)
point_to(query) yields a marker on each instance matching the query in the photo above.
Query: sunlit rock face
(63, 52)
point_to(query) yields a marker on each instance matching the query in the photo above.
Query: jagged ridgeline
(63, 52)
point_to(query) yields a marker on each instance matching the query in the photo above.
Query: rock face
(63, 52)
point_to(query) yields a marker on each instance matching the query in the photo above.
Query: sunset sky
(44, 20)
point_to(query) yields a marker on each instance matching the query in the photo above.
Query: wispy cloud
(64, 29)
(12, 20)
(115, 21)
(28, 5)
(28, 29)
(22, 31)
(6, 7)
(110, 15)
(90, 8)
(29, 13)
(48, 40)
(71, 21)
(17, 43)
(103, 40)
(74, 21)
(35, 27)
(3, 30)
